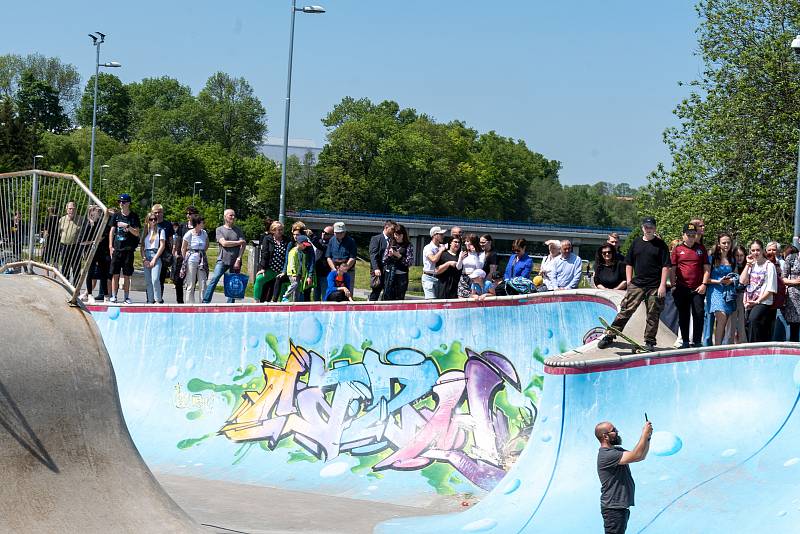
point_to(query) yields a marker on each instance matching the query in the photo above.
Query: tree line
(378, 157)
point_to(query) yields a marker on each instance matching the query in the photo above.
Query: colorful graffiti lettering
(397, 402)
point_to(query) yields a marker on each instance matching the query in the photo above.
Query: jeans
(152, 275)
(321, 287)
(430, 286)
(219, 270)
(690, 303)
(633, 297)
(615, 520)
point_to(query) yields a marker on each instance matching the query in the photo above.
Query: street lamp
(97, 38)
(306, 9)
(37, 156)
(153, 188)
(101, 176)
(200, 194)
(225, 201)
(194, 188)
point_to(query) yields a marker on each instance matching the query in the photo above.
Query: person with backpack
(761, 280)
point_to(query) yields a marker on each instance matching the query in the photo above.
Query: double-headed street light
(102, 185)
(37, 156)
(97, 38)
(225, 202)
(194, 189)
(153, 188)
(306, 9)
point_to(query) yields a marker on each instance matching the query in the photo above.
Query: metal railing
(50, 225)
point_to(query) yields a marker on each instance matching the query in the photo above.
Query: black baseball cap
(690, 228)
(649, 221)
(124, 197)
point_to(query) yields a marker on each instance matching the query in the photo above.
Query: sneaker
(112, 300)
(83, 297)
(651, 347)
(161, 301)
(604, 342)
(128, 300)
(100, 298)
(685, 345)
(90, 299)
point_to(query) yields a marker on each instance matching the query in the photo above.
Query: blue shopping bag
(235, 284)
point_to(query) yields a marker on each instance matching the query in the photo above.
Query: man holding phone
(123, 239)
(616, 482)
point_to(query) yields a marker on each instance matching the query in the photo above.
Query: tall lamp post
(37, 156)
(153, 188)
(225, 203)
(295, 9)
(97, 39)
(194, 189)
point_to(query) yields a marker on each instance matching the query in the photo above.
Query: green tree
(62, 77)
(231, 114)
(163, 108)
(113, 106)
(734, 154)
(38, 104)
(18, 141)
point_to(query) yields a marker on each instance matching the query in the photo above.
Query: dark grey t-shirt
(228, 255)
(616, 482)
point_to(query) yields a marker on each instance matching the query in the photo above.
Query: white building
(272, 148)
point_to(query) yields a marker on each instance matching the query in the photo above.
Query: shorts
(122, 260)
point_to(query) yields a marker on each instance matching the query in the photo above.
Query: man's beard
(617, 440)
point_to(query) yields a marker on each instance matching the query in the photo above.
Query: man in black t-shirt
(616, 483)
(648, 258)
(123, 241)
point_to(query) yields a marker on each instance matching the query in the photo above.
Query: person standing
(519, 264)
(609, 270)
(617, 488)
(737, 329)
(321, 268)
(377, 250)
(231, 243)
(297, 270)
(614, 241)
(549, 263)
(271, 263)
(169, 235)
(194, 245)
(760, 277)
(457, 233)
(123, 239)
(567, 269)
(152, 248)
(791, 278)
(648, 258)
(69, 229)
(721, 295)
(177, 252)
(397, 259)
(448, 270)
(342, 249)
(470, 261)
(689, 275)
(430, 257)
(488, 256)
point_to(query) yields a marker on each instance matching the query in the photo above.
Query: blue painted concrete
(725, 455)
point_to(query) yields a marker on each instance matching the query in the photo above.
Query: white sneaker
(128, 300)
(91, 299)
(84, 297)
(112, 300)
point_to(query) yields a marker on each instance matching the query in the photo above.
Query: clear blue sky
(592, 84)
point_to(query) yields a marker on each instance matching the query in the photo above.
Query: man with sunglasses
(123, 240)
(616, 482)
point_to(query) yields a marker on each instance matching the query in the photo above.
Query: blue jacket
(519, 267)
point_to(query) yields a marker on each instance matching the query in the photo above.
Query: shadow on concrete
(14, 422)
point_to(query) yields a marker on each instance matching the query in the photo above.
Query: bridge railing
(50, 225)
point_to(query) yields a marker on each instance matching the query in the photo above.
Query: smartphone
(645, 418)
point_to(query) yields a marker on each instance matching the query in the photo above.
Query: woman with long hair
(397, 259)
(791, 278)
(194, 245)
(721, 295)
(152, 246)
(736, 331)
(272, 261)
(470, 260)
(760, 277)
(488, 256)
(609, 271)
(448, 270)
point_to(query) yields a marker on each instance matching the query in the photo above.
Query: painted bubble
(230, 371)
(549, 333)
(791, 461)
(334, 470)
(189, 363)
(512, 486)
(252, 342)
(415, 333)
(546, 351)
(797, 374)
(727, 453)
(434, 322)
(480, 525)
(310, 330)
(664, 443)
(270, 357)
(113, 313)
(404, 357)
(171, 373)
(546, 436)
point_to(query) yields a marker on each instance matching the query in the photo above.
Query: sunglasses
(606, 253)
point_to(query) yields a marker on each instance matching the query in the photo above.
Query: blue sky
(592, 84)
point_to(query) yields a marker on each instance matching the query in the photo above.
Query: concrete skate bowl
(724, 456)
(420, 406)
(67, 461)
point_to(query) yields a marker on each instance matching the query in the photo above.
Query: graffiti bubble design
(434, 322)
(113, 312)
(252, 342)
(664, 443)
(310, 331)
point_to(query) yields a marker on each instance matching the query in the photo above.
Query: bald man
(616, 483)
(231, 242)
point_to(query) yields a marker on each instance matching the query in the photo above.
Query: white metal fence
(50, 225)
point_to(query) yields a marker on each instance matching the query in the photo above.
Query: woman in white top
(470, 260)
(152, 246)
(761, 279)
(193, 250)
(549, 262)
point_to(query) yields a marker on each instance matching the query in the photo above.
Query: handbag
(235, 285)
(374, 281)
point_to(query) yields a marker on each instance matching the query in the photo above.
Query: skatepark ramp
(67, 461)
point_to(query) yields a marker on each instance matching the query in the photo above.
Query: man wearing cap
(123, 238)
(69, 226)
(342, 249)
(377, 250)
(430, 256)
(297, 269)
(689, 275)
(648, 258)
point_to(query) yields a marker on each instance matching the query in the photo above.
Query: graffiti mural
(397, 402)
